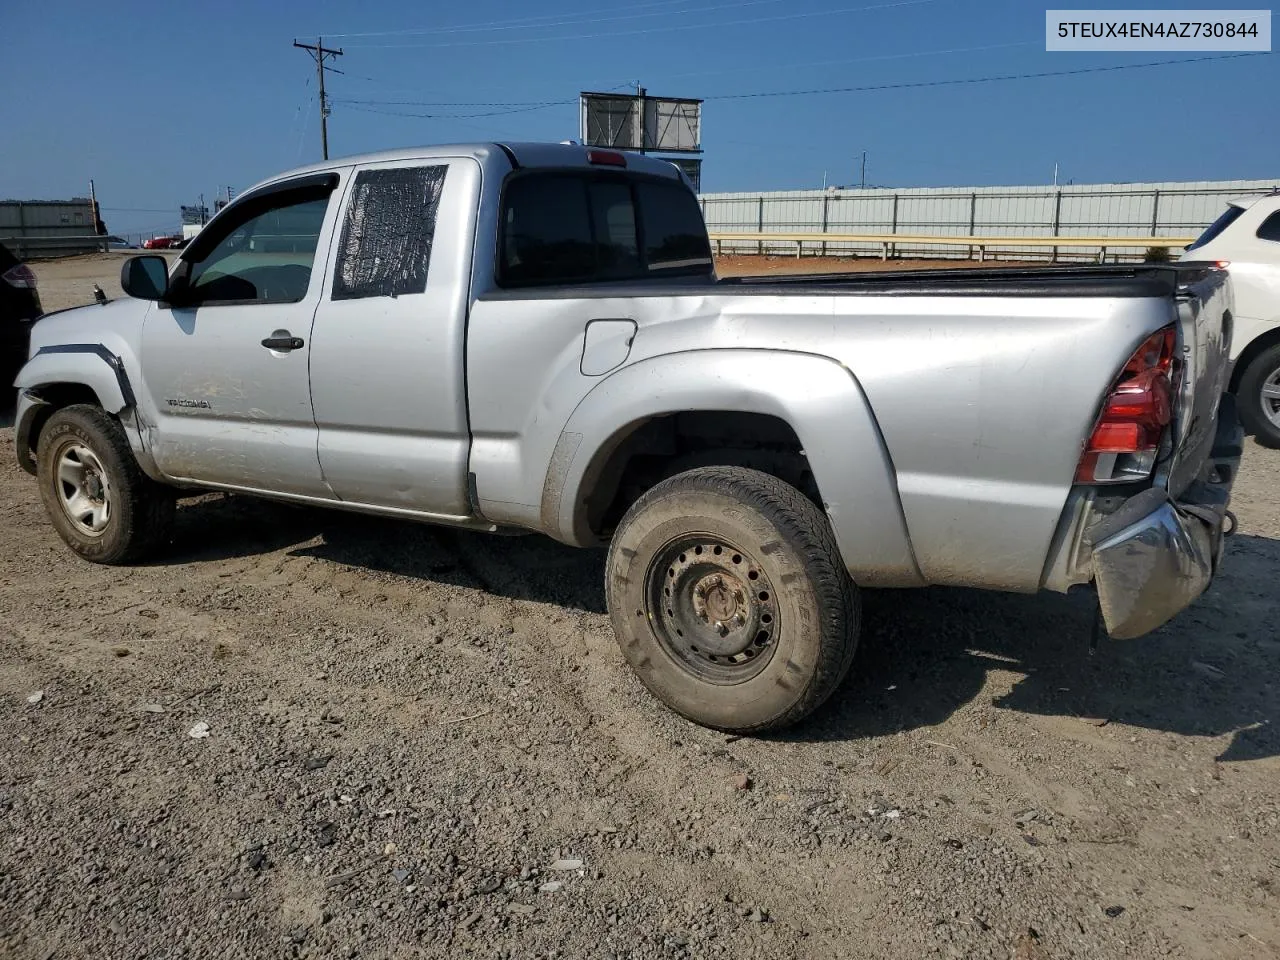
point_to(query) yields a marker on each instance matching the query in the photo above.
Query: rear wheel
(730, 600)
(1259, 397)
(98, 499)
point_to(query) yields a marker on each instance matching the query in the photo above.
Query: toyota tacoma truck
(526, 337)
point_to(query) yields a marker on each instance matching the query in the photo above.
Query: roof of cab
(526, 155)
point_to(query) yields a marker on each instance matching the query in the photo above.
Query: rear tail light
(1138, 408)
(21, 276)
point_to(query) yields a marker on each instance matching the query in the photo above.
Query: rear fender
(818, 397)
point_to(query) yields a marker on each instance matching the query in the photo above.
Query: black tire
(742, 546)
(139, 512)
(1253, 405)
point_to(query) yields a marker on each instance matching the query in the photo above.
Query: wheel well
(56, 396)
(650, 451)
(1256, 346)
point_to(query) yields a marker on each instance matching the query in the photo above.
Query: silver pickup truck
(532, 337)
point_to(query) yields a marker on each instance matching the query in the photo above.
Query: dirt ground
(423, 743)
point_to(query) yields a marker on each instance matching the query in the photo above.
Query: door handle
(283, 342)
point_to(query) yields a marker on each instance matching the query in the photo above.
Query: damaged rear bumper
(1155, 555)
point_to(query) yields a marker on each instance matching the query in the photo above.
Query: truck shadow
(218, 527)
(1213, 671)
(925, 654)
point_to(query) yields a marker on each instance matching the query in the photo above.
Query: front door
(227, 362)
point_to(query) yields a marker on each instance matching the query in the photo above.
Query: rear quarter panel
(985, 404)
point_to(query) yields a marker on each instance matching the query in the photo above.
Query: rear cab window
(566, 227)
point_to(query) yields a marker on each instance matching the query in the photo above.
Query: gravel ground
(309, 734)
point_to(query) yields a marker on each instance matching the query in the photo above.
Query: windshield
(1227, 218)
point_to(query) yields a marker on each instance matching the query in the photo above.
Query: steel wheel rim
(713, 608)
(83, 488)
(1271, 397)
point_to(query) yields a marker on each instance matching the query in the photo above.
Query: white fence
(1094, 210)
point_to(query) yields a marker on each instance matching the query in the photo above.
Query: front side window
(385, 249)
(265, 257)
(1270, 228)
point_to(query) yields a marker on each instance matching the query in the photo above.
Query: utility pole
(864, 170)
(319, 52)
(640, 92)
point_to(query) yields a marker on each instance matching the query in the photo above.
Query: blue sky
(159, 102)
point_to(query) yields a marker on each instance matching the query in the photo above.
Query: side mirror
(145, 278)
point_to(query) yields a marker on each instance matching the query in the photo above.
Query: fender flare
(818, 397)
(90, 365)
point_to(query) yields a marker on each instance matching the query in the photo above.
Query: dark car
(19, 305)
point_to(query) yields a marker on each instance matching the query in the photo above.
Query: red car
(160, 243)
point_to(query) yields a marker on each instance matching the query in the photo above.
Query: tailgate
(1204, 304)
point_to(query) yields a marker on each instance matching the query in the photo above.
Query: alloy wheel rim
(1271, 397)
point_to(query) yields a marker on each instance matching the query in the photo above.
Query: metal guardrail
(888, 242)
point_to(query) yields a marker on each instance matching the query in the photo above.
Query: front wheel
(730, 600)
(98, 499)
(1259, 397)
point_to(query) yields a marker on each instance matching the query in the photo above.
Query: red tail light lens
(1127, 435)
(21, 276)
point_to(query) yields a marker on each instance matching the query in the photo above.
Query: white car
(1247, 238)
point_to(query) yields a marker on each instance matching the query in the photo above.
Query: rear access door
(388, 382)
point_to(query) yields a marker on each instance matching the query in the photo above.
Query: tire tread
(1249, 396)
(146, 508)
(806, 529)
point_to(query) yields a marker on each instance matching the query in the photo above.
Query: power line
(452, 116)
(495, 26)
(648, 30)
(457, 103)
(371, 106)
(699, 73)
(990, 79)
(392, 88)
(522, 22)
(761, 68)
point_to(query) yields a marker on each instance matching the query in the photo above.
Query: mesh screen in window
(385, 248)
